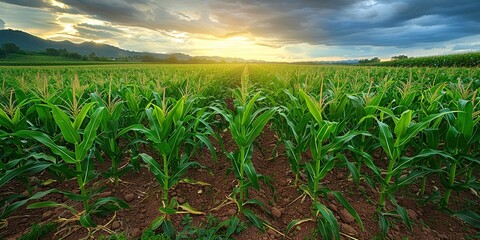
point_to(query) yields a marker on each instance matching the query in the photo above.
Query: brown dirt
(287, 202)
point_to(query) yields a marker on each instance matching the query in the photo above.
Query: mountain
(30, 42)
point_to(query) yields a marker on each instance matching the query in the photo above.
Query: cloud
(345, 25)
(90, 31)
(467, 47)
(2, 24)
(33, 20)
(281, 22)
(27, 3)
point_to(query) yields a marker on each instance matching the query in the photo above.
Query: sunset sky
(273, 30)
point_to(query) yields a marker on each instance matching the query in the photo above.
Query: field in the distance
(257, 151)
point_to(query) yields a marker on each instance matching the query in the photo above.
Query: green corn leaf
(5, 120)
(252, 174)
(254, 219)
(77, 123)
(168, 210)
(65, 125)
(325, 230)
(90, 134)
(43, 205)
(178, 110)
(29, 168)
(295, 223)
(339, 141)
(102, 201)
(232, 226)
(414, 129)
(87, 221)
(12, 207)
(386, 140)
(424, 154)
(404, 215)
(63, 152)
(351, 167)
(87, 168)
(464, 121)
(155, 168)
(410, 178)
(207, 143)
(247, 113)
(257, 203)
(432, 137)
(311, 174)
(134, 127)
(258, 125)
(156, 133)
(326, 129)
(169, 229)
(330, 219)
(97, 99)
(326, 168)
(384, 225)
(16, 116)
(159, 114)
(387, 111)
(470, 217)
(157, 222)
(312, 106)
(348, 207)
(454, 140)
(164, 148)
(402, 125)
(179, 172)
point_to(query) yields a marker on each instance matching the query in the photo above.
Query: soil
(286, 203)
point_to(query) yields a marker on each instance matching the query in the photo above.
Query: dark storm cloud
(378, 23)
(28, 3)
(279, 22)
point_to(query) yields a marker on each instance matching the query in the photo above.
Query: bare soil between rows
(286, 203)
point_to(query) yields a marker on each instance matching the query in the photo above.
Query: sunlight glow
(58, 4)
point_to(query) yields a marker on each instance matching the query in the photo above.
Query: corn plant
(363, 106)
(405, 130)
(245, 125)
(77, 151)
(294, 130)
(17, 161)
(174, 133)
(325, 148)
(462, 138)
(109, 140)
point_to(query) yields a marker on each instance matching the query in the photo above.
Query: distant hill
(30, 42)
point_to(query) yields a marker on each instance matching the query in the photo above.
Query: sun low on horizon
(269, 30)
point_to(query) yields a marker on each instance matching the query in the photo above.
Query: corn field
(389, 129)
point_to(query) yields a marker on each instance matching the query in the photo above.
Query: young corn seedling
(245, 125)
(325, 146)
(405, 130)
(175, 133)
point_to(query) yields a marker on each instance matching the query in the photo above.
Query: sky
(271, 30)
